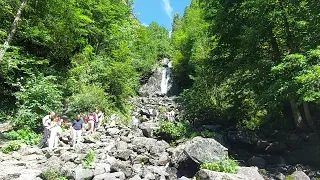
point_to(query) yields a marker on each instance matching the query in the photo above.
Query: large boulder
(244, 173)
(148, 128)
(299, 175)
(143, 144)
(110, 176)
(205, 150)
(82, 174)
(257, 161)
(308, 155)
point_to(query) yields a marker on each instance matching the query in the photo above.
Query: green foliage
(11, 146)
(207, 134)
(88, 99)
(241, 62)
(38, 97)
(52, 174)
(88, 159)
(289, 178)
(173, 131)
(23, 135)
(64, 50)
(227, 166)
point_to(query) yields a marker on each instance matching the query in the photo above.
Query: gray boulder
(244, 173)
(143, 144)
(82, 174)
(101, 168)
(110, 176)
(148, 128)
(257, 161)
(299, 175)
(113, 131)
(205, 150)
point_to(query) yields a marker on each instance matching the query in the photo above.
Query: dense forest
(250, 63)
(246, 64)
(72, 56)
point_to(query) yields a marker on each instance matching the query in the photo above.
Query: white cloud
(145, 24)
(168, 8)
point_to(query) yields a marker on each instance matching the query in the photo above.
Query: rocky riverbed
(135, 152)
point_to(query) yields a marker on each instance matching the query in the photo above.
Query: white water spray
(165, 80)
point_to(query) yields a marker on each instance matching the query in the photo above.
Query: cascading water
(164, 80)
(166, 72)
(159, 82)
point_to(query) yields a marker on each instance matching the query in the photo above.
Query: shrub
(227, 166)
(88, 99)
(12, 146)
(52, 174)
(207, 134)
(38, 97)
(26, 136)
(88, 159)
(173, 131)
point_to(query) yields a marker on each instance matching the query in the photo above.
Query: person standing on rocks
(77, 130)
(55, 132)
(90, 119)
(101, 118)
(46, 122)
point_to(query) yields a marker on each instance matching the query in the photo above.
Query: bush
(173, 131)
(208, 134)
(26, 136)
(88, 99)
(38, 97)
(52, 174)
(227, 166)
(12, 146)
(88, 159)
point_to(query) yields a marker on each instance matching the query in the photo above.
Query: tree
(13, 30)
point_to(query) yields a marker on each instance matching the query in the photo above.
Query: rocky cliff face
(159, 83)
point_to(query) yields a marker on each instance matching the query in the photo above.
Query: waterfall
(159, 83)
(166, 72)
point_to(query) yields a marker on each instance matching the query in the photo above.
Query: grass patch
(26, 136)
(174, 131)
(52, 174)
(12, 146)
(88, 159)
(227, 166)
(288, 178)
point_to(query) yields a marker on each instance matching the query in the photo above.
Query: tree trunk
(13, 29)
(308, 117)
(297, 116)
(274, 44)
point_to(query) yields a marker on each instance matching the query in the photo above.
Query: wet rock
(243, 138)
(257, 161)
(308, 155)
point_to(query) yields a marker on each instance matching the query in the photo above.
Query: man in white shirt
(46, 122)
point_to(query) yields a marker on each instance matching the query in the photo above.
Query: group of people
(52, 128)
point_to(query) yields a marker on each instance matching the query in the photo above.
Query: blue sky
(160, 11)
